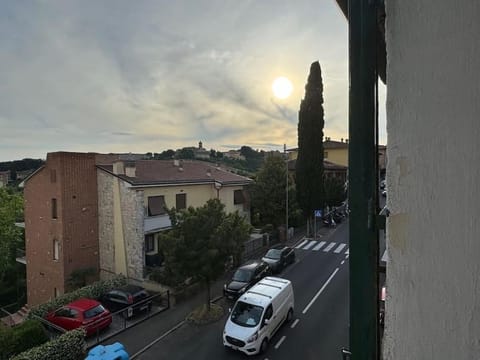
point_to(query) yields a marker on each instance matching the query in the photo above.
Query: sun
(282, 87)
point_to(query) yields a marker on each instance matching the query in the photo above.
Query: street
(319, 328)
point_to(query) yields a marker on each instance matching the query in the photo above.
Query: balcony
(21, 257)
(153, 224)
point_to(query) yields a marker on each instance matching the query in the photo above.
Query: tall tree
(202, 240)
(335, 192)
(11, 211)
(268, 192)
(309, 166)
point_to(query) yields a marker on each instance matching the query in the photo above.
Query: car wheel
(264, 346)
(290, 315)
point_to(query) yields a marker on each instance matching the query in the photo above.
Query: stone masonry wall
(105, 224)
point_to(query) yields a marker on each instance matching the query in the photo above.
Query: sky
(147, 76)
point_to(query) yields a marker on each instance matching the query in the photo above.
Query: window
(156, 205)
(149, 243)
(238, 197)
(325, 154)
(56, 293)
(56, 249)
(54, 208)
(181, 201)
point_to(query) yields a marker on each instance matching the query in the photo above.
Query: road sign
(318, 213)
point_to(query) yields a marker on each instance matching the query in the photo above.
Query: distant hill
(23, 165)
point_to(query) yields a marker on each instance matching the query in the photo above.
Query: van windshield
(245, 314)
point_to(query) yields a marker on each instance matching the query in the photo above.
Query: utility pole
(286, 191)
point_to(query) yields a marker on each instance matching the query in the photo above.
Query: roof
(327, 165)
(262, 293)
(83, 304)
(252, 264)
(165, 172)
(331, 144)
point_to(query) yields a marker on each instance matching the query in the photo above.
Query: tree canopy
(309, 166)
(202, 240)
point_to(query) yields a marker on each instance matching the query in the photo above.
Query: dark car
(86, 313)
(245, 277)
(278, 257)
(132, 298)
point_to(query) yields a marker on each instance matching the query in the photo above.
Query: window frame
(182, 202)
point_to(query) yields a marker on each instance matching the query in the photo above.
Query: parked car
(132, 298)
(382, 306)
(278, 257)
(245, 277)
(86, 313)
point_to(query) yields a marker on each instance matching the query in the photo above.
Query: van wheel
(264, 346)
(289, 315)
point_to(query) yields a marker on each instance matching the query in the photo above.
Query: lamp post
(286, 191)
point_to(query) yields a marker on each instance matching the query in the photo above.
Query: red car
(86, 313)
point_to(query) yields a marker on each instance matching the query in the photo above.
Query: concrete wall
(106, 223)
(433, 109)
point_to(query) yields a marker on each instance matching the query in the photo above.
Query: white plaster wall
(433, 232)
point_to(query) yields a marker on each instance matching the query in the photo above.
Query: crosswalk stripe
(347, 252)
(319, 246)
(339, 248)
(301, 244)
(384, 257)
(309, 245)
(329, 247)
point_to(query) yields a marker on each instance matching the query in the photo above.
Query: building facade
(94, 211)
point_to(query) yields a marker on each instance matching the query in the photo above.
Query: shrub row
(70, 345)
(93, 291)
(21, 337)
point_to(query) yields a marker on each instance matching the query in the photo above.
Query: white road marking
(347, 252)
(280, 342)
(346, 257)
(295, 323)
(309, 245)
(384, 257)
(319, 292)
(339, 248)
(301, 244)
(319, 246)
(329, 247)
(343, 262)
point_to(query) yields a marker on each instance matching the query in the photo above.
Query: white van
(258, 314)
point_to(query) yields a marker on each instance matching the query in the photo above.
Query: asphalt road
(319, 328)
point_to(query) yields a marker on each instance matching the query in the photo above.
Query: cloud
(161, 74)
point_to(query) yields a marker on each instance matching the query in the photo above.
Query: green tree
(309, 166)
(335, 192)
(201, 242)
(11, 211)
(268, 192)
(186, 153)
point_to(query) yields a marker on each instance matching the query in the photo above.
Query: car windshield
(273, 254)
(245, 314)
(90, 313)
(242, 275)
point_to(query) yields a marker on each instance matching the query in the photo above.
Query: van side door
(267, 317)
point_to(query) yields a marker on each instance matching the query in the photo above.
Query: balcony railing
(156, 223)
(21, 256)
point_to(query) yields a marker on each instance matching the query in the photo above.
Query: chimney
(130, 169)
(209, 172)
(341, 139)
(176, 162)
(118, 167)
(346, 141)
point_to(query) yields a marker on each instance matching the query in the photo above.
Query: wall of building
(106, 224)
(337, 156)
(432, 308)
(70, 179)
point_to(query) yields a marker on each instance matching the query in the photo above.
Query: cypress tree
(309, 166)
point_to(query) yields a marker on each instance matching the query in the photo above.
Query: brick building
(61, 222)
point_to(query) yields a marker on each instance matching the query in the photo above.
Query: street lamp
(286, 192)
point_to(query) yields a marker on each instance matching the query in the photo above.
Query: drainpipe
(362, 190)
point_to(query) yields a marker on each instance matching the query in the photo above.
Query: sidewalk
(140, 336)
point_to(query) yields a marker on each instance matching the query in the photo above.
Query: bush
(93, 291)
(70, 345)
(20, 338)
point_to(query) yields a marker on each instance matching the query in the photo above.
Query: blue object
(318, 213)
(115, 351)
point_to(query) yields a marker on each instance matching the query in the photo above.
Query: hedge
(21, 337)
(93, 291)
(70, 345)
